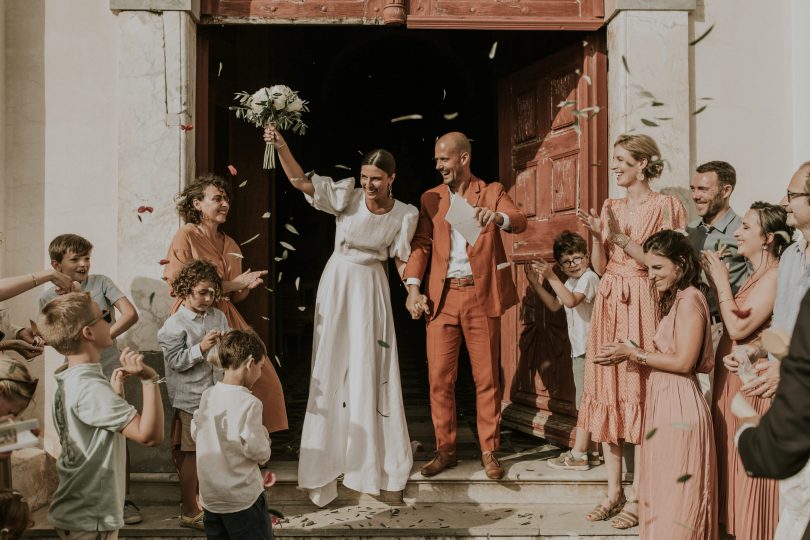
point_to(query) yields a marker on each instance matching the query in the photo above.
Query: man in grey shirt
(711, 188)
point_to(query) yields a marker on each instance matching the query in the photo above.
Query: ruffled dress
(355, 421)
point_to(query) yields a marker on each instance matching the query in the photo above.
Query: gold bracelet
(641, 358)
(35, 280)
(297, 179)
(282, 146)
(157, 379)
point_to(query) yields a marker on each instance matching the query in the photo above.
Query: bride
(355, 420)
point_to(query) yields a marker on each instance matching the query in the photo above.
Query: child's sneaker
(567, 462)
(132, 514)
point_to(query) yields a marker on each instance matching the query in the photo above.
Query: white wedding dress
(355, 420)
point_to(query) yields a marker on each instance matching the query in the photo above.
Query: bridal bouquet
(279, 105)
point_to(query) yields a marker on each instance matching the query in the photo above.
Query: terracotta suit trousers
(462, 317)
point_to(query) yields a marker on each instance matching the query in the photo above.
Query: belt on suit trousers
(459, 282)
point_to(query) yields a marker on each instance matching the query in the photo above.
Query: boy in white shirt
(576, 296)
(232, 443)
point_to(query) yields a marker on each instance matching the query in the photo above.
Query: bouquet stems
(270, 155)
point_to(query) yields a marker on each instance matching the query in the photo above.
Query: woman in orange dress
(678, 501)
(748, 507)
(204, 206)
(613, 396)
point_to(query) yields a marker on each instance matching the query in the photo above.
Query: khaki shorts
(87, 535)
(181, 431)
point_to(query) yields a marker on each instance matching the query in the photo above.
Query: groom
(468, 289)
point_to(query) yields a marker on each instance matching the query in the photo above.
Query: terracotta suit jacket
(431, 244)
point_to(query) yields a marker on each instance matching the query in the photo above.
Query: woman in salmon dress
(204, 206)
(748, 507)
(678, 470)
(613, 396)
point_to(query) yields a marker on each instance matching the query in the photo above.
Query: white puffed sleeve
(331, 197)
(401, 247)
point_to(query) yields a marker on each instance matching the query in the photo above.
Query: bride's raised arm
(292, 169)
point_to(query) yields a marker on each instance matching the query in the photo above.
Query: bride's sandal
(626, 519)
(601, 513)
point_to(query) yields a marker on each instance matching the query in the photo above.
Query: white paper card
(16, 435)
(461, 216)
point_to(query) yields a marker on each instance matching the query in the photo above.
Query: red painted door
(553, 153)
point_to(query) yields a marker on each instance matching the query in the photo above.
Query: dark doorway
(357, 79)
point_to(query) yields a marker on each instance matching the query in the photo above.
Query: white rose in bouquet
(280, 94)
(295, 105)
(260, 100)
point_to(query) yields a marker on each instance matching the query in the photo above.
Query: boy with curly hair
(186, 338)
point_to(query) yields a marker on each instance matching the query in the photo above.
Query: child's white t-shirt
(579, 317)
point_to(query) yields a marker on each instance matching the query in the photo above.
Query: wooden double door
(553, 159)
(551, 155)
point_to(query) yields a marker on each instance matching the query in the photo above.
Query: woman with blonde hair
(625, 309)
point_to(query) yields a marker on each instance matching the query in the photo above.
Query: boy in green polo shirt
(93, 420)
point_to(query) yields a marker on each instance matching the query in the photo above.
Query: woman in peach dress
(677, 491)
(613, 396)
(204, 206)
(748, 507)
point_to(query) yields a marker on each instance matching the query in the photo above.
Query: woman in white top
(355, 420)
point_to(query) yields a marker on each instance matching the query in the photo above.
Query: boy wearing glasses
(186, 338)
(70, 254)
(576, 296)
(93, 420)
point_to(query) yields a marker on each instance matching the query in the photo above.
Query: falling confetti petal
(140, 219)
(302, 308)
(444, 94)
(383, 415)
(584, 43)
(492, 50)
(268, 289)
(163, 262)
(219, 71)
(567, 103)
(406, 117)
(650, 433)
(279, 277)
(343, 167)
(587, 79)
(243, 184)
(142, 209)
(265, 318)
(684, 478)
(251, 239)
(297, 282)
(287, 246)
(626, 67)
(450, 116)
(266, 215)
(648, 122)
(700, 110)
(238, 255)
(290, 228)
(232, 170)
(186, 127)
(277, 360)
(383, 344)
(151, 299)
(702, 36)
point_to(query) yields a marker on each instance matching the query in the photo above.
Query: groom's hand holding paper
(464, 218)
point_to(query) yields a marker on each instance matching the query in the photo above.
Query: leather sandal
(626, 519)
(602, 513)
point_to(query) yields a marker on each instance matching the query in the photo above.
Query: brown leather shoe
(491, 466)
(442, 461)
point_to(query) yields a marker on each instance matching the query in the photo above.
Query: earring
(390, 191)
(640, 176)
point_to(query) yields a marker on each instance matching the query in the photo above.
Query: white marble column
(648, 84)
(155, 96)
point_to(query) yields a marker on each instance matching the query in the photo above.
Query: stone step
(527, 479)
(412, 521)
